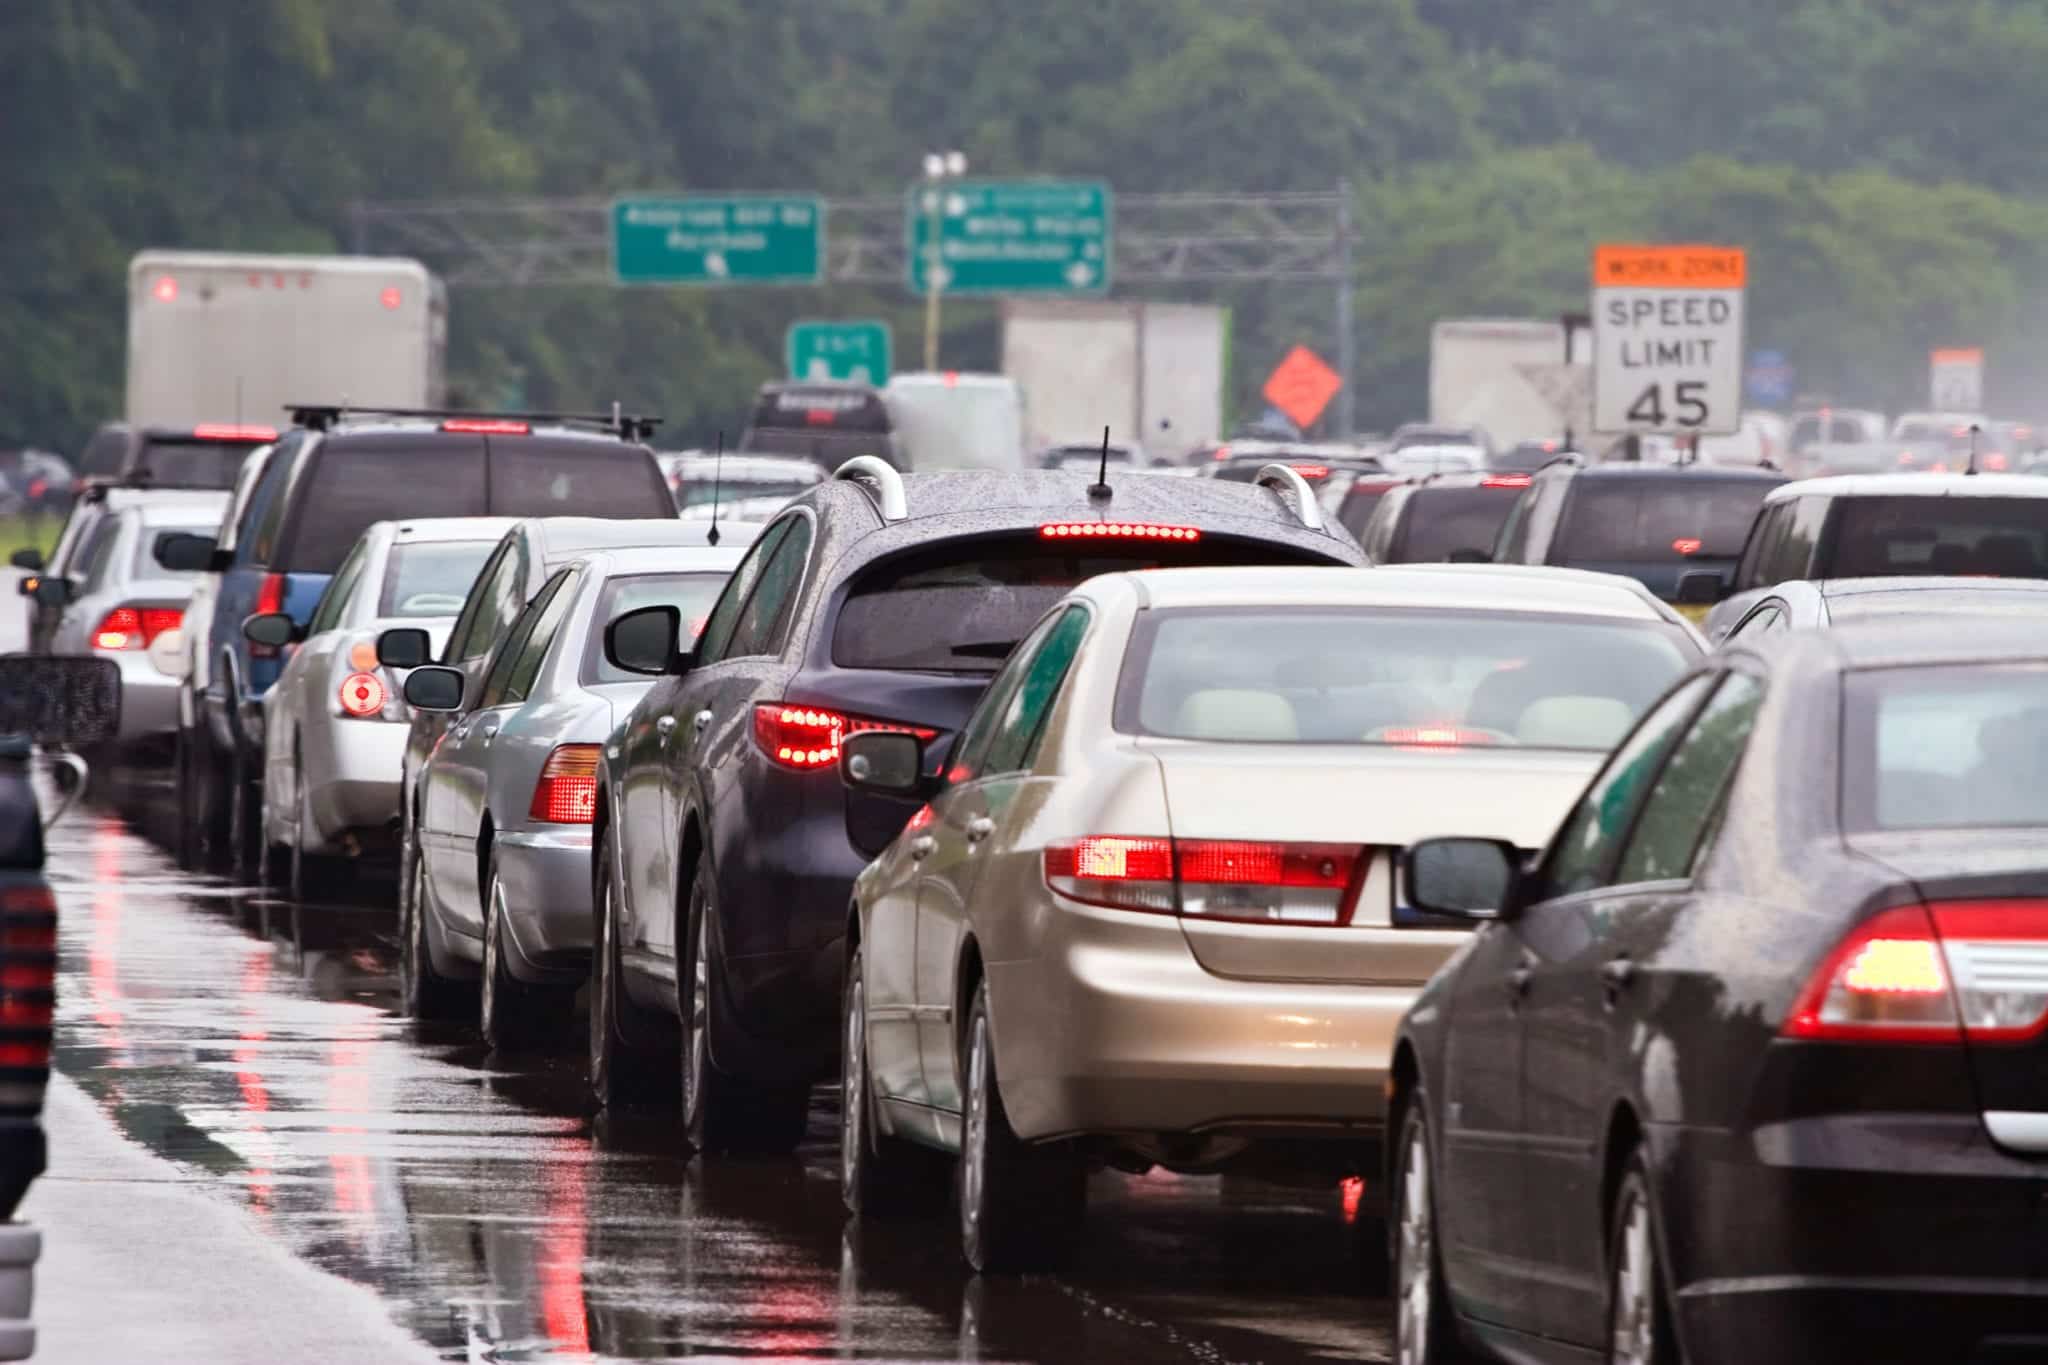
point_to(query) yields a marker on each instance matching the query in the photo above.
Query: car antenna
(1971, 467)
(1100, 488)
(717, 468)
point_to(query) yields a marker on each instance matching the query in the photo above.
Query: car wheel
(513, 1013)
(1021, 1203)
(425, 993)
(878, 1174)
(1423, 1332)
(625, 1070)
(1639, 1325)
(723, 1112)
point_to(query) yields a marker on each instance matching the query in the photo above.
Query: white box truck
(231, 337)
(1507, 375)
(1153, 373)
(957, 420)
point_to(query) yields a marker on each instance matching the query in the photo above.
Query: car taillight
(1505, 481)
(1933, 974)
(567, 791)
(1311, 471)
(487, 426)
(1432, 736)
(28, 987)
(1116, 530)
(269, 598)
(1259, 881)
(1994, 461)
(363, 695)
(1687, 545)
(135, 627)
(803, 738)
(219, 431)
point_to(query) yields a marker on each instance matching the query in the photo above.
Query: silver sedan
(506, 797)
(334, 726)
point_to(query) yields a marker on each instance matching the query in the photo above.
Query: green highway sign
(1002, 237)
(722, 239)
(857, 349)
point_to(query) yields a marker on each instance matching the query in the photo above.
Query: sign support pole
(934, 259)
(1347, 359)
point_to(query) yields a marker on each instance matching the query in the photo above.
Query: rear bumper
(352, 777)
(1117, 1028)
(546, 877)
(20, 1245)
(149, 698)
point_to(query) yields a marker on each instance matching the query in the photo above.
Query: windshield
(1665, 520)
(431, 577)
(1444, 520)
(192, 464)
(960, 608)
(1372, 675)
(1880, 537)
(704, 491)
(1948, 747)
(691, 593)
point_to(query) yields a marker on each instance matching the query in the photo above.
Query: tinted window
(763, 621)
(1791, 553)
(1580, 854)
(268, 505)
(535, 477)
(690, 593)
(463, 640)
(1760, 547)
(1674, 821)
(95, 553)
(193, 464)
(1441, 520)
(1658, 520)
(1875, 537)
(1368, 675)
(970, 757)
(431, 578)
(961, 607)
(1945, 747)
(1038, 685)
(718, 629)
(1358, 505)
(352, 484)
(518, 660)
(145, 565)
(327, 615)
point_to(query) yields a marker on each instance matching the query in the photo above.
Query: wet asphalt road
(496, 1220)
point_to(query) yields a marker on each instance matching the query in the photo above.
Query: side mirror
(1472, 879)
(882, 761)
(1468, 556)
(404, 647)
(55, 591)
(431, 687)
(273, 628)
(186, 552)
(644, 641)
(1700, 588)
(30, 559)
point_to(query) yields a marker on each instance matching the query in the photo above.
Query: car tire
(878, 1174)
(628, 1068)
(425, 993)
(1639, 1323)
(1424, 1333)
(512, 1013)
(724, 1112)
(1021, 1204)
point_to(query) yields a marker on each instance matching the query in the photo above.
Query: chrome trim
(1283, 479)
(2022, 1130)
(888, 490)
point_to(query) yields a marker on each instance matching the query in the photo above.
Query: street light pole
(939, 168)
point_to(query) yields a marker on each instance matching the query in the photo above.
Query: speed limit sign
(1667, 339)
(1955, 378)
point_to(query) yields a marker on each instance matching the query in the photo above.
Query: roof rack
(888, 484)
(625, 425)
(1283, 480)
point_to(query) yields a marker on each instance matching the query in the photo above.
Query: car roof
(369, 427)
(1914, 485)
(1629, 469)
(1473, 587)
(180, 511)
(448, 528)
(1899, 641)
(1836, 588)
(565, 537)
(721, 558)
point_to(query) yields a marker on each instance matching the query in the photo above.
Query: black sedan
(1749, 1064)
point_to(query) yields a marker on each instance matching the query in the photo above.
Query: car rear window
(146, 543)
(694, 594)
(192, 464)
(1441, 520)
(1884, 537)
(960, 607)
(1374, 675)
(431, 577)
(1945, 747)
(535, 477)
(700, 492)
(1652, 521)
(1357, 507)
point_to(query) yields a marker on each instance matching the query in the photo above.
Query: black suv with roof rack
(726, 845)
(1438, 518)
(204, 456)
(827, 421)
(328, 478)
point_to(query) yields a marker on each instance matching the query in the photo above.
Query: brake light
(1116, 530)
(1686, 545)
(1994, 461)
(1222, 452)
(1432, 736)
(269, 598)
(1311, 471)
(1505, 481)
(135, 627)
(1936, 974)
(28, 986)
(1905, 457)
(1259, 881)
(363, 695)
(566, 793)
(390, 297)
(803, 738)
(820, 417)
(487, 426)
(222, 431)
(165, 289)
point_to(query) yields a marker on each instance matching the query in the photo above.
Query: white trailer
(1507, 375)
(1153, 373)
(228, 337)
(956, 420)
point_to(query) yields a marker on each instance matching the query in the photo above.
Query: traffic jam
(894, 890)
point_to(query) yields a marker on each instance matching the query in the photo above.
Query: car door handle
(665, 727)
(1615, 976)
(921, 847)
(979, 828)
(700, 720)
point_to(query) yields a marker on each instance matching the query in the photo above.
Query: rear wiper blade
(986, 649)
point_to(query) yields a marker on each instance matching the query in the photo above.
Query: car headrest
(1574, 722)
(1236, 713)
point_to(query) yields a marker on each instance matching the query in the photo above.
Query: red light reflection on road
(255, 1094)
(565, 1177)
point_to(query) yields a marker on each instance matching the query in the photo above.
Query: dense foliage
(1877, 157)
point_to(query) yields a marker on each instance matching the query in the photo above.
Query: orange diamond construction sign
(1301, 386)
